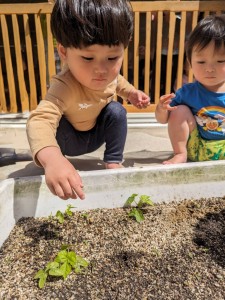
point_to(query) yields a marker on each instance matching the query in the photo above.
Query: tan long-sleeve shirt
(79, 105)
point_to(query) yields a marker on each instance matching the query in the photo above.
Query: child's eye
(221, 61)
(87, 58)
(200, 62)
(112, 58)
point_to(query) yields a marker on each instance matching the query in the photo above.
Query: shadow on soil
(210, 235)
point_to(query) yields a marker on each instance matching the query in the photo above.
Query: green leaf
(42, 276)
(84, 215)
(60, 216)
(80, 264)
(56, 272)
(42, 281)
(39, 274)
(77, 269)
(65, 246)
(66, 257)
(145, 200)
(137, 214)
(65, 269)
(71, 256)
(61, 256)
(130, 200)
(51, 265)
(68, 211)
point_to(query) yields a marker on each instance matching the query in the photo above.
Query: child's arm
(163, 108)
(61, 177)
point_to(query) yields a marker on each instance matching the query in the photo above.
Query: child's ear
(62, 51)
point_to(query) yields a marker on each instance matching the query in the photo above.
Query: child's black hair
(211, 28)
(81, 23)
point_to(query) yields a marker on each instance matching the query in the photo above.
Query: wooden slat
(125, 64)
(51, 56)
(20, 65)
(9, 69)
(138, 6)
(136, 48)
(176, 6)
(3, 106)
(28, 8)
(132, 109)
(194, 23)
(30, 63)
(158, 56)
(172, 24)
(41, 55)
(206, 13)
(147, 52)
(181, 49)
(194, 19)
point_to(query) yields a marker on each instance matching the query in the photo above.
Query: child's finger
(170, 108)
(167, 96)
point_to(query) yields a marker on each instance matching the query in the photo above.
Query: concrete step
(133, 118)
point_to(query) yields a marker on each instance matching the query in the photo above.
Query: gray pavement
(147, 144)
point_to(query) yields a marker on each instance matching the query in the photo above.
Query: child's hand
(138, 99)
(165, 100)
(61, 177)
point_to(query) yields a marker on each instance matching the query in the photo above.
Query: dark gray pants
(111, 129)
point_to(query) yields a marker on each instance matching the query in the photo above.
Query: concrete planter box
(30, 197)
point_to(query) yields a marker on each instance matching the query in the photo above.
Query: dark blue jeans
(111, 129)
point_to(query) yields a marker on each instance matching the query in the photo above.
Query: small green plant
(60, 216)
(62, 266)
(137, 211)
(84, 216)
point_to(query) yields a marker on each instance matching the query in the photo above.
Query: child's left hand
(139, 99)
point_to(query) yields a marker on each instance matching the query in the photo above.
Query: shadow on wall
(26, 206)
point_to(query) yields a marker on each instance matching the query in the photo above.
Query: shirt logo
(84, 106)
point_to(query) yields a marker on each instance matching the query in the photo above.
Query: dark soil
(177, 252)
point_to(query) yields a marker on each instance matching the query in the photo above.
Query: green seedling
(155, 251)
(60, 216)
(87, 217)
(137, 211)
(205, 249)
(68, 210)
(86, 242)
(62, 266)
(84, 216)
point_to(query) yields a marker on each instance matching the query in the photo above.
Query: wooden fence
(27, 54)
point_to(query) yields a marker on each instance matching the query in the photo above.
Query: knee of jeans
(116, 110)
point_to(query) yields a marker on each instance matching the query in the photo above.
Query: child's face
(95, 66)
(208, 67)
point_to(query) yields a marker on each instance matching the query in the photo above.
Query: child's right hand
(165, 100)
(61, 177)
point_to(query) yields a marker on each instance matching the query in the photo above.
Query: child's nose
(100, 68)
(210, 68)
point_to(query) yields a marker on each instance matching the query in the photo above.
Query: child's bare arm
(163, 108)
(61, 177)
